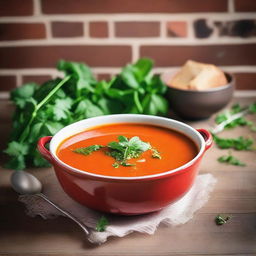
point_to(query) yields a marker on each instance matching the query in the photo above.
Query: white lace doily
(178, 213)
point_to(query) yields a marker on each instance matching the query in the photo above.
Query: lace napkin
(178, 213)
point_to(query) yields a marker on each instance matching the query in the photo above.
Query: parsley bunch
(44, 110)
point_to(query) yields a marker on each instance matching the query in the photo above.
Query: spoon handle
(79, 223)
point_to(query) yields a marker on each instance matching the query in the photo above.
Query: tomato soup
(175, 150)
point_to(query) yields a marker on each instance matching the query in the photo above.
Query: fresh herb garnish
(230, 159)
(44, 110)
(155, 153)
(87, 150)
(122, 150)
(234, 117)
(127, 149)
(240, 143)
(222, 219)
(102, 224)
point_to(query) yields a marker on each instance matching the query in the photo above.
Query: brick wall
(107, 34)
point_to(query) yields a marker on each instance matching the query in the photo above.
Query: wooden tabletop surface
(235, 194)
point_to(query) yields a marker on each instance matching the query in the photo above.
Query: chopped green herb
(127, 149)
(234, 117)
(252, 108)
(239, 143)
(87, 150)
(115, 165)
(102, 224)
(222, 219)
(155, 153)
(122, 150)
(229, 159)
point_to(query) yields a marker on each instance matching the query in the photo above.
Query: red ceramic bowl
(126, 195)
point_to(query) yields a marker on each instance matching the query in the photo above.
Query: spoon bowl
(25, 183)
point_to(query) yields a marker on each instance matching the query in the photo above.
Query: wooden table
(234, 194)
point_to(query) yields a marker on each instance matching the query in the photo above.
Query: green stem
(40, 104)
(137, 101)
(52, 92)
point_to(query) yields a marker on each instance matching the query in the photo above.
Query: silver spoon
(26, 184)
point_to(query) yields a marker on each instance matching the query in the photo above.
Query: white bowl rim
(202, 144)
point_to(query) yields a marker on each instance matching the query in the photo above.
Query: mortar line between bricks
(152, 41)
(114, 70)
(131, 16)
(231, 6)
(37, 8)
(111, 30)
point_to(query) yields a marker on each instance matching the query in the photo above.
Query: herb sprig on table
(230, 159)
(222, 219)
(102, 224)
(234, 117)
(240, 143)
(122, 150)
(44, 110)
(231, 119)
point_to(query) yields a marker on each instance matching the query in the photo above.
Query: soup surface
(175, 150)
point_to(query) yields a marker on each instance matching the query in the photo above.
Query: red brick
(137, 29)
(172, 55)
(47, 56)
(245, 5)
(7, 83)
(67, 29)
(104, 76)
(98, 29)
(16, 8)
(245, 81)
(39, 79)
(177, 28)
(18, 31)
(132, 6)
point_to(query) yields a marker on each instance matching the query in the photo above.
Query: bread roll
(198, 76)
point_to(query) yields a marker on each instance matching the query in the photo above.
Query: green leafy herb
(234, 117)
(127, 149)
(222, 219)
(122, 150)
(155, 153)
(229, 159)
(87, 150)
(44, 110)
(239, 143)
(102, 224)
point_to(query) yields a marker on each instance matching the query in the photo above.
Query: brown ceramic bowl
(196, 105)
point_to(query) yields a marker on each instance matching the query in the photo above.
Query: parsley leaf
(240, 143)
(17, 151)
(222, 219)
(234, 117)
(22, 95)
(102, 224)
(229, 159)
(88, 150)
(127, 149)
(155, 153)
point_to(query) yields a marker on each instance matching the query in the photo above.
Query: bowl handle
(43, 150)
(207, 137)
